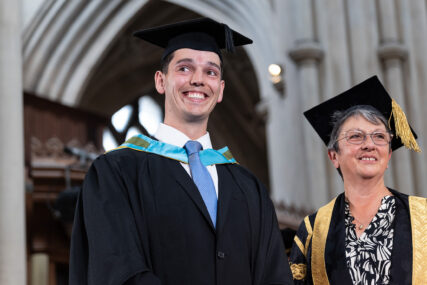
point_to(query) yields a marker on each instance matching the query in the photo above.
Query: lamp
(275, 70)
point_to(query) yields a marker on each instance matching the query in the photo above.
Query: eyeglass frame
(365, 136)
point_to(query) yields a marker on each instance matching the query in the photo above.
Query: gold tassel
(402, 129)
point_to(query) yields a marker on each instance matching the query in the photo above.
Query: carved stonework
(307, 50)
(393, 50)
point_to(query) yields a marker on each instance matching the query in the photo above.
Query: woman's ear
(333, 156)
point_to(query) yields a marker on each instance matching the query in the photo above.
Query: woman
(370, 234)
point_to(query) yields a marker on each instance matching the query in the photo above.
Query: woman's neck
(366, 193)
(364, 201)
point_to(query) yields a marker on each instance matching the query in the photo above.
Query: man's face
(192, 86)
(363, 161)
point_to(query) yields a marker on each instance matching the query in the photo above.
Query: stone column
(415, 35)
(392, 53)
(307, 53)
(336, 71)
(12, 210)
(39, 269)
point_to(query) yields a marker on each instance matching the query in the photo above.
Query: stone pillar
(12, 210)
(39, 269)
(392, 53)
(307, 53)
(415, 34)
(335, 71)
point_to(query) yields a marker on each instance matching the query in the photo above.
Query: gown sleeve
(277, 269)
(299, 259)
(271, 263)
(106, 246)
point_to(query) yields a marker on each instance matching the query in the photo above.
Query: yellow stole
(418, 212)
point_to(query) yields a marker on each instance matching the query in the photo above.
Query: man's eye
(183, 68)
(212, 73)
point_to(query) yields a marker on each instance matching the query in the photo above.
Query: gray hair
(368, 112)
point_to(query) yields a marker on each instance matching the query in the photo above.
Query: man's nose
(197, 78)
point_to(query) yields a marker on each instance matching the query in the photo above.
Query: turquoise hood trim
(207, 156)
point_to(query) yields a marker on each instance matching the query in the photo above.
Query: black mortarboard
(369, 92)
(200, 34)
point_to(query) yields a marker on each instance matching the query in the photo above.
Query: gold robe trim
(299, 244)
(299, 270)
(320, 233)
(309, 235)
(418, 213)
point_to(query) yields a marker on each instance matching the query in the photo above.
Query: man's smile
(195, 95)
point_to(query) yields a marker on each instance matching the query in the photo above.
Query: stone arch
(82, 54)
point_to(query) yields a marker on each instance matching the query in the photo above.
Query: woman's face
(361, 161)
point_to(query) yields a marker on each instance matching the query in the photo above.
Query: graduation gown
(140, 219)
(315, 262)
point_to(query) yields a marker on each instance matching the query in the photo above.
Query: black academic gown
(141, 220)
(335, 262)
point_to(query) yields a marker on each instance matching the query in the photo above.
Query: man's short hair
(164, 63)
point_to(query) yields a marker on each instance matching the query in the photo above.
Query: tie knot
(192, 147)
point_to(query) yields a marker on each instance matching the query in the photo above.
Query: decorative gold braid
(299, 270)
(403, 130)
(138, 141)
(418, 213)
(228, 155)
(320, 234)
(309, 234)
(299, 244)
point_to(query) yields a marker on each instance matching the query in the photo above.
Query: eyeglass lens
(357, 137)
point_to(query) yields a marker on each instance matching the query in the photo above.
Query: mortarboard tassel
(403, 131)
(229, 44)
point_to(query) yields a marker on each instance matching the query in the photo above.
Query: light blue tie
(202, 178)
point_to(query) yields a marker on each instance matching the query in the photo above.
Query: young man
(163, 211)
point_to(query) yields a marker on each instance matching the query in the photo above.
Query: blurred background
(75, 83)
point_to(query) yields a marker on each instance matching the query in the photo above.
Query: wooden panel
(49, 127)
(44, 120)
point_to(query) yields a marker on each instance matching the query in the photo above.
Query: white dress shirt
(170, 135)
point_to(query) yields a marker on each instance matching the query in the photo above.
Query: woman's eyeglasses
(358, 137)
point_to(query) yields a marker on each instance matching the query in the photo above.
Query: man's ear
(159, 80)
(221, 93)
(333, 156)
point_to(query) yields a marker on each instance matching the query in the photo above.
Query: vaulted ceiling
(82, 53)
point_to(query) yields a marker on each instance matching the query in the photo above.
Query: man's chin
(196, 117)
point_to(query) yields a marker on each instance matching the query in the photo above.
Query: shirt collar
(170, 135)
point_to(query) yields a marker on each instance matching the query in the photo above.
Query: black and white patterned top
(368, 257)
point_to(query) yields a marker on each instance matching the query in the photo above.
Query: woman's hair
(368, 112)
